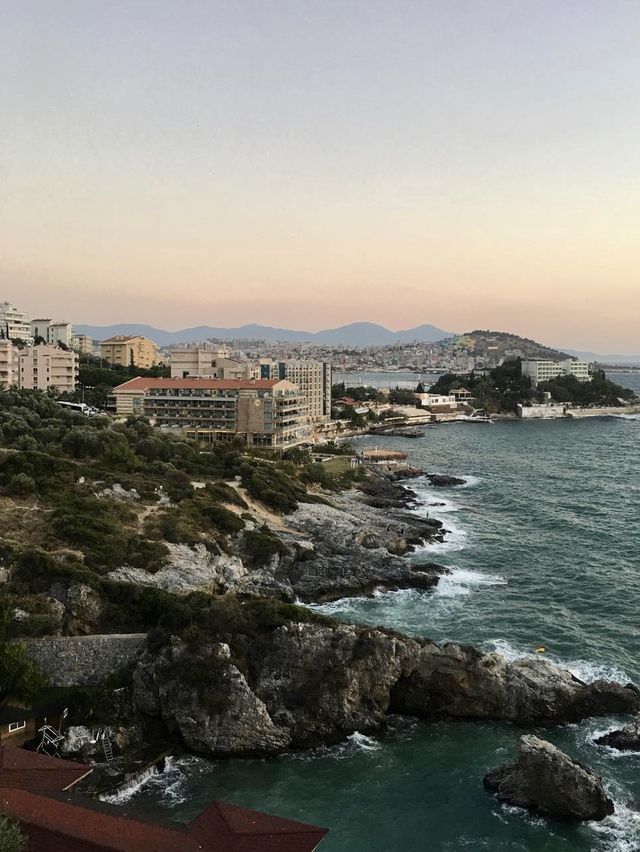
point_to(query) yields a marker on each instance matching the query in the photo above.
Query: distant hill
(501, 344)
(620, 360)
(355, 334)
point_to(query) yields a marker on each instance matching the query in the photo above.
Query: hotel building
(262, 413)
(545, 371)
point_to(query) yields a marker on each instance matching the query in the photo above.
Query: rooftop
(141, 383)
(32, 771)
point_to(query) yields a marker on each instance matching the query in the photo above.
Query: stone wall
(84, 660)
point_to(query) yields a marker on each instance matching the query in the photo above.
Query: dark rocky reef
(547, 781)
(625, 739)
(309, 683)
(441, 481)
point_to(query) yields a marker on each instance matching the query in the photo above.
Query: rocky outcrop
(206, 699)
(625, 739)
(439, 480)
(357, 549)
(458, 681)
(82, 607)
(547, 781)
(308, 683)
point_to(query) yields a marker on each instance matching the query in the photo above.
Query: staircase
(107, 745)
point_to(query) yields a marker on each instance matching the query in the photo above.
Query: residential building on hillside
(545, 371)
(8, 364)
(128, 351)
(46, 366)
(52, 332)
(263, 413)
(14, 325)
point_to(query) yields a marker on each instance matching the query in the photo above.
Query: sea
(543, 545)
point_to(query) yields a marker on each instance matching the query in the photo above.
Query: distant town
(282, 394)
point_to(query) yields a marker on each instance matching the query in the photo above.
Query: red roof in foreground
(55, 823)
(32, 771)
(141, 383)
(34, 791)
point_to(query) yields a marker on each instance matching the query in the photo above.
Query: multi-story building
(136, 351)
(545, 371)
(82, 343)
(46, 366)
(207, 362)
(14, 325)
(312, 377)
(8, 364)
(52, 332)
(263, 413)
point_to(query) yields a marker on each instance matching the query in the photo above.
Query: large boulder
(625, 739)
(461, 682)
(324, 682)
(547, 781)
(203, 697)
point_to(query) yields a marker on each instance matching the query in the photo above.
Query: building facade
(8, 364)
(82, 343)
(262, 413)
(207, 362)
(314, 379)
(14, 324)
(127, 351)
(52, 332)
(46, 366)
(545, 371)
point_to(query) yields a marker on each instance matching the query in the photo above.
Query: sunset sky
(467, 163)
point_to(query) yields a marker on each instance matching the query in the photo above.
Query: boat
(476, 416)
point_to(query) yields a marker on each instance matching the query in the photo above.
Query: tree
(11, 838)
(20, 678)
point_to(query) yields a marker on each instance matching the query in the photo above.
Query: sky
(466, 163)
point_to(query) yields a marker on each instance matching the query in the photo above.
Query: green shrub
(260, 546)
(21, 484)
(11, 838)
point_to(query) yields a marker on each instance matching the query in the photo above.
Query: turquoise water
(544, 546)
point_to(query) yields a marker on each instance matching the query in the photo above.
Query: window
(16, 726)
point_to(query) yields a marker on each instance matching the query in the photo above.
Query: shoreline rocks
(441, 481)
(624, 739)
(547, 781)
(308, 683)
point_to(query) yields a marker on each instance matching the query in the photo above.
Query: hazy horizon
(467, 165)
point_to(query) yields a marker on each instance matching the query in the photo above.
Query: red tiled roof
(29, 770)
(53, 824)
(141, 383)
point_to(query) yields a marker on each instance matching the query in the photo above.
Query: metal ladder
(107, 746)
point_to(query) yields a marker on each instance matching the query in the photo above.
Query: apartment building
(545, 371)
(46, 366)
(263, 413)
(82, 343)
(207, 362)
(52, 332)
(13, 323)
(314, 379)
(8, 364)
(135, 350)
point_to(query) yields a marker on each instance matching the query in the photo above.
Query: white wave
(469, 480)
(131, 789)
(619, 832)
(462, 581)
(455, 538)
(585, 670)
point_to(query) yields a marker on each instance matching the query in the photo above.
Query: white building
(545, 371)
(13, 323)
(83, 344)
(46, 366)
(52, 332)
(427, 400)
(314, 380)
(8, 364)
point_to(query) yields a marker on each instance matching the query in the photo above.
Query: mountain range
(355, 334)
